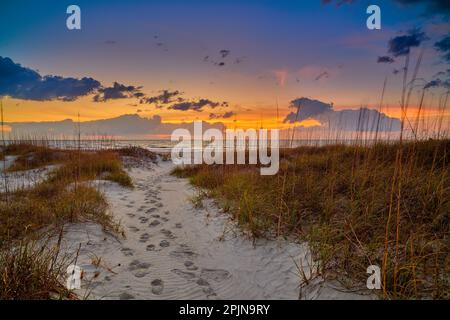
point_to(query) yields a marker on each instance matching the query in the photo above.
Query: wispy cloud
(197, 105)
(385, 59)
(443, 46)
(165, 97)
(225, 115)
(118, 91)
(281, 76)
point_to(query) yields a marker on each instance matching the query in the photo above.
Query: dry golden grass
(387, 205)
(31, 272)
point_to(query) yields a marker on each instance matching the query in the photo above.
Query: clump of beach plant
(387, 204)
(29, 271)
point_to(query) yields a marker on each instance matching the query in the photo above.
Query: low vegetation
(32, 272)
(385, 205)
(66, 195)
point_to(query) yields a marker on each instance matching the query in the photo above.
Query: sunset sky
(251, 54)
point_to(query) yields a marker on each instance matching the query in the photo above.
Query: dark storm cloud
(401, 45)
(362, 119)
(24, 83)
(165, 97)
(385, 59)
(197, 105)
(225, 115)
(443, 46)
(117, 91)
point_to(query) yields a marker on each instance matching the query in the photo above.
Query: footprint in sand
(141, 273)
(183, 252)
(190, 265)
(126, 296)
(166, 212)
(202, 282)
(151, 210)
(184, 274)
(217, 275)
(157, 286)
(164, 219)
(155, 216)
(127, 251)
(143, 219)
(129, 206)
(144, 237)
(150, 247)
(131, 215)
(168, 234)
(178, 225)
(138, 268)
(133, 229)
(164, 244)
(209, 292)
(154, 223)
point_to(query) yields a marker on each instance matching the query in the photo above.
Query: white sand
(20, 179)
(174, 251)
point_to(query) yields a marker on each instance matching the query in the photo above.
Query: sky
(237, 62)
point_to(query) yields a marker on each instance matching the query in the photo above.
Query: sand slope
(174, 251)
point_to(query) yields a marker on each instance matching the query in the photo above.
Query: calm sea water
(166, 145)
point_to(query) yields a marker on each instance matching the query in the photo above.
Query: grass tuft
(387, 205)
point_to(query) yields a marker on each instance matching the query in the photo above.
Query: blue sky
(282, 47)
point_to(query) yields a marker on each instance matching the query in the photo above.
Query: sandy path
(174, 251)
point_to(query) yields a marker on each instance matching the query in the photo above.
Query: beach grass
(32, 272)
(387, 205)
(66, 195)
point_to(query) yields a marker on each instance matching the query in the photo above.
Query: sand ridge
(173, 250)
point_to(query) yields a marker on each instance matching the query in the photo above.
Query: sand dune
(175, 251)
